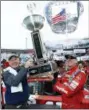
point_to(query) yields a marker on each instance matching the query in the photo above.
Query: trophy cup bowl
(33, 22)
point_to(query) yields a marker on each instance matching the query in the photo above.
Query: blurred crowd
(61, 64)
(70, 71)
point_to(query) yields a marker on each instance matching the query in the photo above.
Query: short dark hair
(59, 63)
(13, 56)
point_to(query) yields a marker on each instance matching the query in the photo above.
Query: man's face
(70, 63)
(14, 62)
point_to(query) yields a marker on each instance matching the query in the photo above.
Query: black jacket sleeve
(13, 80)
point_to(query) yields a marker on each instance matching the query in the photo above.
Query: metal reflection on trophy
(63, 16)
(34, 21)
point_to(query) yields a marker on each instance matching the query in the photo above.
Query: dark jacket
(12, 80)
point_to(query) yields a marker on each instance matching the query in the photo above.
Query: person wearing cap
(71, 85)
(15, 79)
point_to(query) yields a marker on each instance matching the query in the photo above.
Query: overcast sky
(13, 34)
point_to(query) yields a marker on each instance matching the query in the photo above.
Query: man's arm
(13, 80)
(70, 89)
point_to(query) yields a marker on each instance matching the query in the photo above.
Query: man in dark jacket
(15, 79)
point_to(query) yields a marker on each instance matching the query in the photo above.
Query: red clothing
(87, 70)
(71, 87)
(5, 65)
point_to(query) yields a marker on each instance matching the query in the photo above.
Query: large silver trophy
(34, 23)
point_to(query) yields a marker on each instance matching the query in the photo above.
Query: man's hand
(50, 76)
(29, 64)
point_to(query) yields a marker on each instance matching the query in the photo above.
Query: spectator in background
(4, 63)
(81, 65)
(86, 64)
(15, 79)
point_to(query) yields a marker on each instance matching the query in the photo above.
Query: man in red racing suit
(71, 86)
